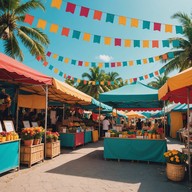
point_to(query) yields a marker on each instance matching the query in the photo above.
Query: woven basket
(175, 172)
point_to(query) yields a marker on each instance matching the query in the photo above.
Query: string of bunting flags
(111, 18)
(106, 40)
(81, 63)
(77, 80)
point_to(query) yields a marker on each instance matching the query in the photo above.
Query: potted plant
(176, 163)
(39, 131)
(55, 136)
(27, 135)
(49, 136)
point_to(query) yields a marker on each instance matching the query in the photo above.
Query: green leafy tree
(95, 75)
(12, 30)
(183, 53)
(159, 82)
(114, 76)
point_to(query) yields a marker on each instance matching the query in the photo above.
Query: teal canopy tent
(182, 107)
(135, 96)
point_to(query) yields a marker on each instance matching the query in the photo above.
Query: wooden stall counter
(53, 149)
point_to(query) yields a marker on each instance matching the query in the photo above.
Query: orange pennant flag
(107, 40)
(97, 15)
(100, 65)
(56, 70)
(134, 22)
(118, 64)
(155, 43)
(66, 60)
(86, 37)
(168, 28)
(41, 24)
(86, 64)
(145, 43)
(127, 43)
(102, 82)
(145, 61)
(122, 20)
(157, 58)
(131, 63)
(164, 57)
(131, 80)
(55, 56)
(56, 3)
(54, 28)
(146, 76)
(156, 73)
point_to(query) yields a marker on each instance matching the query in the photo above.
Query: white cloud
(105, 58)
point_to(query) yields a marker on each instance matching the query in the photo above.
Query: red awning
(14, 71)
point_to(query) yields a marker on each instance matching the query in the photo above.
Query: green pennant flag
(76, 34)
(110, 18)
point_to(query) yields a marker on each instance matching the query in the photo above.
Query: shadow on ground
(152, 177)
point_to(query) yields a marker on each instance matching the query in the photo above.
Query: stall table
(9, 151)
(71, 139)
(87, 136)
(135, 149)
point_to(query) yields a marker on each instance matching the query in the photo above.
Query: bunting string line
(77, 80)
(122, 20)
(106, 40)
(130, 63)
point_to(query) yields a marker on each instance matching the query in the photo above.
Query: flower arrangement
(27, 133)
(175, 157)
(39, 132)
(52, 136)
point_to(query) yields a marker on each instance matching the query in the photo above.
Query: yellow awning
(163, 91)
(61, 92)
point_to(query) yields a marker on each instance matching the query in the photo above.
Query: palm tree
(70, 82)
(160, 81)
(183, 53)
(114, 76)
(12, 32)
(95, 75)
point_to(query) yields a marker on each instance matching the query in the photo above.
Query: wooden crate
(53, 149)
(31, 154)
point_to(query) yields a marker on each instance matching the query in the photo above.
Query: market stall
(150, 150)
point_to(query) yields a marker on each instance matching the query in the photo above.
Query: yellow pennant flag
(102, 82)
(131, 63)
(86, 64)
(89, 82)
(54, 28)
(55, 56)
(66, 60)
(100, 65)
(56, 70)
(145, 43)
(157, 58)
(144, 61)
(78, 80)
(56, 3)
(107, 40)
(122, 20)
(86, 37)
(134, 22)
(41, 24)
(131, 80)
(168, 28)
(93, 82)
(127, 43)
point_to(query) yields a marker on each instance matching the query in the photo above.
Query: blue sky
(150, 10)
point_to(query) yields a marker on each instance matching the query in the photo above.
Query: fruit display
(8, 136)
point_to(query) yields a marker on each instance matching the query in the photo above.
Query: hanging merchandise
(122, 20)
(105, 40)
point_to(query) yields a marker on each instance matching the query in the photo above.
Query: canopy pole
(17, 109)
(112, 118)
(46, 114)
(164, 115)
(63, 113)
(99, 118)
(188, 134)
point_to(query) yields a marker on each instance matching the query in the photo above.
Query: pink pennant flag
(70, 7)
(80, 63)
(84, 82)
(39, 58)
(45, 63)
(48, 53)
(84, 11)
(65, 75)
(157, 27)
(112, 64)
(117, 42)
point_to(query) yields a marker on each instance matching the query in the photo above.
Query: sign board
(9, 126)
(34, 124)
(1, 128)
(26, 124)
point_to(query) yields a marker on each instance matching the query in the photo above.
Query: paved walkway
(85, 170)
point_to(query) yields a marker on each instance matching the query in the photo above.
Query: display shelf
(9, 151)
(32, 154)
(53, 149)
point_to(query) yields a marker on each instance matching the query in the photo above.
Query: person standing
(106, 125)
